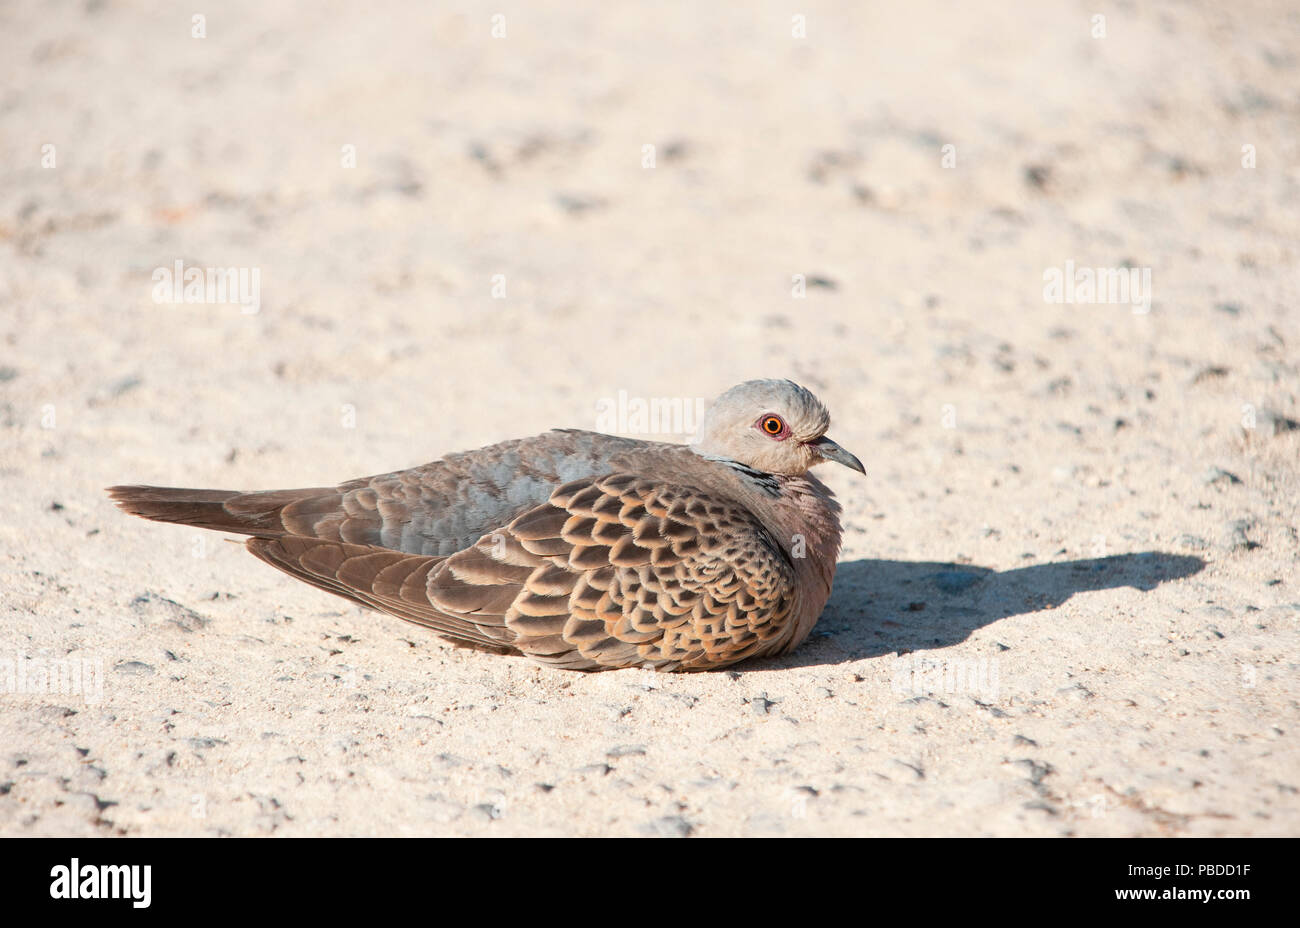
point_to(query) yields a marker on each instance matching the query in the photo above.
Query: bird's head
(775, 426)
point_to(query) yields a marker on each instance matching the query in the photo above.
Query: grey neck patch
(760, 479)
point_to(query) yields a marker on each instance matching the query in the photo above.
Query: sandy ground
(1067, 602)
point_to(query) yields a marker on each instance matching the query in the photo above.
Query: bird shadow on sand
(886, 607)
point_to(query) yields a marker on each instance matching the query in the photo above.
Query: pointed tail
(219, 510)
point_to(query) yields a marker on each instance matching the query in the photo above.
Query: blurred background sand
(1067, 601)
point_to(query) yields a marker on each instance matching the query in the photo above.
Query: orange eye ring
(772, 425)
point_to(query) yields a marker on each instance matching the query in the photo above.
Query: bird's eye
(773, 426)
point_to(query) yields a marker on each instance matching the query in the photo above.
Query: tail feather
(220, 510)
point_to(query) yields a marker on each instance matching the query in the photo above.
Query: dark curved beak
(831, 451)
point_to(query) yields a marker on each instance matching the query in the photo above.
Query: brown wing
(617, 571)
(389, 581)
(638, 573)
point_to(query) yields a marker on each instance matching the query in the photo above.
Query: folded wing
(613, 571)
